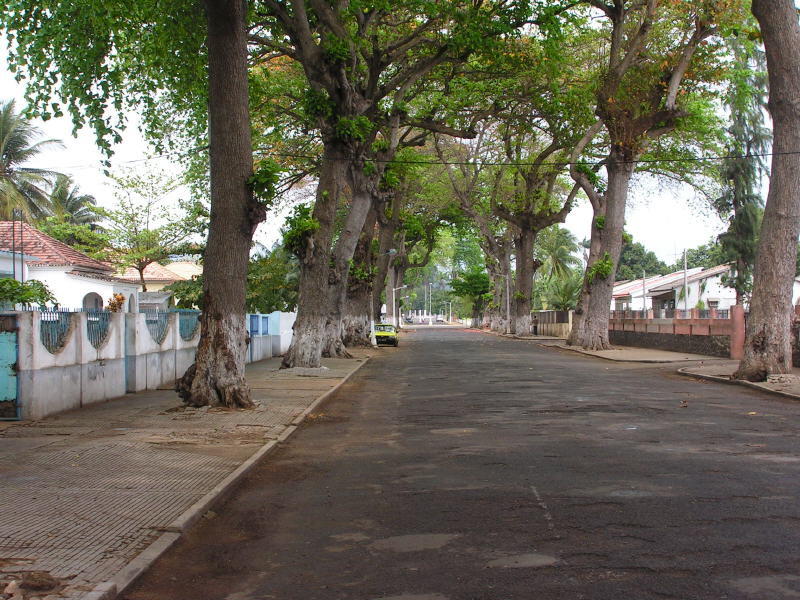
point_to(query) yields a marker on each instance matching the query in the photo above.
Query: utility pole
(685, 286)
(644, 292)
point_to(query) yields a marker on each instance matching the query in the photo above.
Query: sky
(665, 220)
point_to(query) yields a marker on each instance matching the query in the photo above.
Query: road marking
(548, 516)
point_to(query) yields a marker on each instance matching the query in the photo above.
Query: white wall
(70, 290)
(129, 359)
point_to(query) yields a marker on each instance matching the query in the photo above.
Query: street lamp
(394, 310)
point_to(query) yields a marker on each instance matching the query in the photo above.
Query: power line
(588, 163)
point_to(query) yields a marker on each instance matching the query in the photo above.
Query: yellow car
(386, 334)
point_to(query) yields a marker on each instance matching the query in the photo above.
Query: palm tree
(555, 248)
(561, 293)
(22, 189)
(68, 205)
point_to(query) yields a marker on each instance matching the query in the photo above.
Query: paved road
(463, 466)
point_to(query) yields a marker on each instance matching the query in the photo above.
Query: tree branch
(579, 177)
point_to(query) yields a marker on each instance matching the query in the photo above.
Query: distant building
(76, 280)
(158, 276)
(704, 288)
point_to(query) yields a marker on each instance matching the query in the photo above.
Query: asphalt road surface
(464, 466)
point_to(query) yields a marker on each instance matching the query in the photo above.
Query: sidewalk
(711, 368)
(641, 355)
(93, 496)
(783, 385)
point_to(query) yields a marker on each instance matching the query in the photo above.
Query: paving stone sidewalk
(85, 492)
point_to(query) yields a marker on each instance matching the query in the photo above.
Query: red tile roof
(152, 272)
(48, 251)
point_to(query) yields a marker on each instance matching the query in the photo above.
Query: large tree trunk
(356, 329)
(767, 346)
(523, 288)
(217, 377)
(590, 323)
(356, 318)
(323, 274)
(496, 310)
(316, 295)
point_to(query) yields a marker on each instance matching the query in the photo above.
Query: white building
(76, 280)
(635, 294)
(704, 289)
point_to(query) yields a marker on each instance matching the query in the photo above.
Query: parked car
(386, 334)
(440, 319)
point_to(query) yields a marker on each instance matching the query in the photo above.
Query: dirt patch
(32, 584)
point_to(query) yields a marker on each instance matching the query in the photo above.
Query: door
(9, 407)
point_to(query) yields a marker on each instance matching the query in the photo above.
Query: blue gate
(9, 404)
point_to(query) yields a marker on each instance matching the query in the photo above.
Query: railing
(54, 329)
(97, 322)
(188, 323)
(157, 323)
(671, 313)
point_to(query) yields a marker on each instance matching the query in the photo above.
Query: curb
(109, 590)
(654, 361)
(727, 380)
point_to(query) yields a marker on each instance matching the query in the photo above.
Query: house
(666, 292)
(704, 290)
(158, 276)
(75, 279)
(635, 294)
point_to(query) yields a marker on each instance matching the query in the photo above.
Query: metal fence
(97, 322)
(157, 324)
(54, 328)
(188, 322)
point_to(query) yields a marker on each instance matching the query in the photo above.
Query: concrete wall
(129, 359)
(280, 325)
(76, 375)
(709, 345)
(715, 337)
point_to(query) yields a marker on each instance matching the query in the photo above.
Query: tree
(651, 85)
(68, 205)
(556, 248)
(92, 242)
(741, 171)
(561, 292)
(635, 260)
(31, 292)
(186, 74)
(23, 189)
(475, 286)
(364, 63)
(272, 282)
(768, 337)
(142, 230)
(706, 256)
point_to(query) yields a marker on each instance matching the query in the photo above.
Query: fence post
(737, 332)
